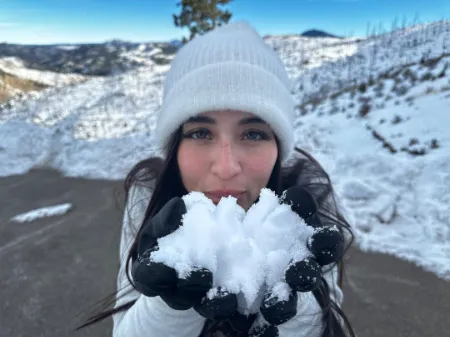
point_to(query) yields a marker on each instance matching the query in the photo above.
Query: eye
(256, 135)
(198, 134)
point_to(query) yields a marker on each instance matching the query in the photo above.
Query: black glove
(157, 279)
(219, 308)
(326, 245)
(267, 330)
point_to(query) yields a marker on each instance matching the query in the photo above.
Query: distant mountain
(96, 59)
(176, 43)
(318, 33)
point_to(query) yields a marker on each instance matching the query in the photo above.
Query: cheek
(260, 166)
(191, 166)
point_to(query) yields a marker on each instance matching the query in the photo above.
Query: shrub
(400, 90)
(364, 109)
(443, 71)
(334, 110)
(362, 88)
(428, 76)
(434, 144)
(397, 119)
(409, 74)
(431, 62)
(413, 141)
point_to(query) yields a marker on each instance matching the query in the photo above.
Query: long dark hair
(164, 177)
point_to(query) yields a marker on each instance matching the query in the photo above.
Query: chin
(244, 204)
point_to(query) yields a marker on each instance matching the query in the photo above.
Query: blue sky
(76, 21)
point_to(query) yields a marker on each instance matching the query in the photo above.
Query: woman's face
(227, 153)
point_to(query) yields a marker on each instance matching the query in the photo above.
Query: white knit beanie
(230, 67)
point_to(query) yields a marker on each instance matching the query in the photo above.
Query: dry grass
(9, 82)
(4, 95)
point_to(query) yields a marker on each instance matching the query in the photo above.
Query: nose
(226, 163)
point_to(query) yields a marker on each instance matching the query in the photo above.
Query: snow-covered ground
(301, 54)
(397, 203)
(374, 112)
(366, 59)
(15, 66)
(80, 128)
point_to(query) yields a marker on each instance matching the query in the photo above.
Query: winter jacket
(151, 317)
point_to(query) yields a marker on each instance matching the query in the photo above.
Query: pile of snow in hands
(247, 252)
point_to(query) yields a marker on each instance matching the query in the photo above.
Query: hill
(100, 59)
(35, 67)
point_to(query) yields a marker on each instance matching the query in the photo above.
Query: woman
(226, 126)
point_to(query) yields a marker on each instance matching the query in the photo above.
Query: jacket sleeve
(308, 321)
(148, 316)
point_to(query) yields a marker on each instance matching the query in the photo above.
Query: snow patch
(42, 213)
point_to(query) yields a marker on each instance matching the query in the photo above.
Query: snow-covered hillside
(26, 70)
(373, 111)
(16, 67)
(322, 66)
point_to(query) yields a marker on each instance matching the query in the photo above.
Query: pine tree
(200, 16)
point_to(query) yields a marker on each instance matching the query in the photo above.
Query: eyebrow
(201, 119)
(251, 120)
(209, 120)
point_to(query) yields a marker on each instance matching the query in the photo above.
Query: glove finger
(277, 311)
(327, 245)
(264, 331)
(192, 289)
(218, 308)
(165, 222)
(172, 299)
(240, 322)
(153, 278)
(304, 276)
(182, 294)
(301, 201)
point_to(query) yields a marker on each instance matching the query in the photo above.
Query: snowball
(247, 252)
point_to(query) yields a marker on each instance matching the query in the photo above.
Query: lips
(216, 195)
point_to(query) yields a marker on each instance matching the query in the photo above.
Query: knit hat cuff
(234, 86)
